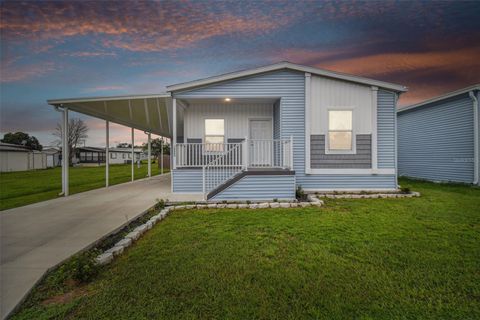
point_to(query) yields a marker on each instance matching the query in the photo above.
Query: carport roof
(150, 113)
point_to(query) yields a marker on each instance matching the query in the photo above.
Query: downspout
(475, 137)
(396, 139)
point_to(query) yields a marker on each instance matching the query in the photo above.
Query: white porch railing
(222, 161)
(250, 153)
(224, 167)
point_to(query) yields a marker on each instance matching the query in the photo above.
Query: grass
(26, 187)
(413, 258)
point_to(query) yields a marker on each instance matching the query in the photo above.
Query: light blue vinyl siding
(254, 188)
(276, 120)
(386, 113)
(349, 182)
(187, 180)
(436, 141)
(289, 86)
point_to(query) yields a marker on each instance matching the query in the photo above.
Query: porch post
(107, 152)
(133, 154)
(174, 133)
(291, 152)
(245, 154)
(149, 155)
(65, 152)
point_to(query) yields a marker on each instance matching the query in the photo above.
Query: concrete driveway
(37, 237)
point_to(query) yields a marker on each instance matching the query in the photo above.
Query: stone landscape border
(107, 256)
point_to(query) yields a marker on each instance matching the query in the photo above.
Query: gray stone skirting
(107, 256)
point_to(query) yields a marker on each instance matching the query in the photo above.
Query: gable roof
(290, 66)
(441, 97)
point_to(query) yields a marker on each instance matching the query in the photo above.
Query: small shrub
(160, 204)
(299, 193)
(405, 190)
(83, 268)
(275, 200)
(249, 202)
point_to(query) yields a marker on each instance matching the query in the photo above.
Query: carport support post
(173, 147)
(161, 156)
(107, 152)
(65, 152)
(149, 155)
(133, 154)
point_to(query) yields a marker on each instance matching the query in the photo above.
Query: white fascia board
(285, 65)
(441, 97)
(110, 98)
(352, 171)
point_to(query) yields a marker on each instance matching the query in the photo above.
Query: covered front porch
(222, 137)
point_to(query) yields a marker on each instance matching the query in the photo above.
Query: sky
(64, 49)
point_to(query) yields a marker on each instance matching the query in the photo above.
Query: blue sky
(58, 49)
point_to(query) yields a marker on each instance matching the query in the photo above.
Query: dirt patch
(76, 292)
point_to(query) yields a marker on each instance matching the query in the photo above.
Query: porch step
(249, 172)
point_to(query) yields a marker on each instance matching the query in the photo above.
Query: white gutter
(475, 137)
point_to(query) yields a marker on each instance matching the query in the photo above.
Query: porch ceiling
(150, 113)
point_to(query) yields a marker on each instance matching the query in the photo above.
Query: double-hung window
(214, 135)
(340, 131)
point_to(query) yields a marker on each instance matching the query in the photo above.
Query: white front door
(261, 144)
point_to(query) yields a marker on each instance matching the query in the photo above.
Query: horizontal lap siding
(386, 129)
(351, 181)
(187, 180)
(361, 160)
(436, 141)
(266, 187)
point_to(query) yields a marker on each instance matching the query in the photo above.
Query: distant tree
(77, 134)
(156, 145)
(124, 145)
(23, 139)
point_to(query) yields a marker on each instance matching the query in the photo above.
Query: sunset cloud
(139, 26)
(14, 73)
(105, 88)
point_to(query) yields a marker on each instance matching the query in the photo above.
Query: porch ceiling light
(228, 99)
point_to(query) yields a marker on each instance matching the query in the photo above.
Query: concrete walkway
(37, 237)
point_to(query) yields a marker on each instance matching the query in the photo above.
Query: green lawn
(26, 187)
(352, 259)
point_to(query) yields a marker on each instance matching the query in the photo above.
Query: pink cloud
(105, 88)
(11, 73)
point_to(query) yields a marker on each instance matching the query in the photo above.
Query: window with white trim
(340, 130)
(214, 135)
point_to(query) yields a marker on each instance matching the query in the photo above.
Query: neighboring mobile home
(258, 134)
(14, 157)
(95, 155)
(438, 139)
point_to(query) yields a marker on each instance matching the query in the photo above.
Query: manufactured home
(438, 139)
(95, 155)
(258, 134)
(20, 158)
